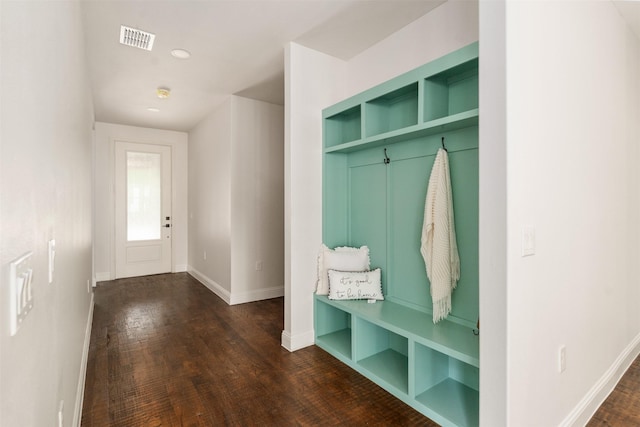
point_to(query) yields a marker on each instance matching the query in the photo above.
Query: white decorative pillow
(355, 285)
(342, 258)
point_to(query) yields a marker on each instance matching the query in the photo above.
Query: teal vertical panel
(464, 184)
(334, 206)
(407, 189)
(367, 212)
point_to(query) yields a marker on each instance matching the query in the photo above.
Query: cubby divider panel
(343, 127)
(447, 386)
(333, 329)
(383, 354)
(392, 111)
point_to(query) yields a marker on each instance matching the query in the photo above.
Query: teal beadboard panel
(335, 205)
(464, 184)
(367, 217)
(386, 213)
(407, 189)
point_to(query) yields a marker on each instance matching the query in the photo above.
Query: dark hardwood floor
(622, 407)
(165, 351)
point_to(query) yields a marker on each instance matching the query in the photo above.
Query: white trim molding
(232, 298)
(296, 342)
(103, 276)
(256, 295)
(590, 403)
(210, 284)
(77, 415)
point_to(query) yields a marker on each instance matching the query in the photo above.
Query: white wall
(46, 118)
(446, 28)
(210, 199)
(104, 237)
(494, 398)
(257, 199)
(572, 156)
(314, 81)
(236, 200)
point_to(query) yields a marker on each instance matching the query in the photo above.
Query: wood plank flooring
(165, 351)
(622, 407)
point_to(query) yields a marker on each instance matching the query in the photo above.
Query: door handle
(167, 225)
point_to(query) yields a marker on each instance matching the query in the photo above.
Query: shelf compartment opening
(451, 92)
(384, 354)
(333, 329)
(392, 111)
(343, 127)
(447, 386)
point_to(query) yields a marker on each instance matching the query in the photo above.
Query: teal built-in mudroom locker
(379, 148)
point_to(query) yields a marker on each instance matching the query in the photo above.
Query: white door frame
(114, 145)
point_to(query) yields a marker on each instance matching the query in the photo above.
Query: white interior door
(143, 209)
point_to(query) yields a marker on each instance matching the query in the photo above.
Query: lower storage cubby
(333, 329)
(383, 354)
(446, 387)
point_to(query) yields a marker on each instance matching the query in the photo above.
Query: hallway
(165, 351)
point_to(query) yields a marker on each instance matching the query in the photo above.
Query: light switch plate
(20, 291)
(52, 259)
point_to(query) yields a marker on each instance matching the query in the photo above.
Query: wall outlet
(562, 359)
(88, 286)
(258, 265)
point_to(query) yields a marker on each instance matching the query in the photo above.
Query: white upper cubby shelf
(440, 96)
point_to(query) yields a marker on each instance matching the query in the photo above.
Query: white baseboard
(588, 406)
(296, 342)
(77, 415)
(232, 298)
(210, 284)
(181, 268)
(256, 295)
(103, 277)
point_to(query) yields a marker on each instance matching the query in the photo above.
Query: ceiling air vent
(136, 38)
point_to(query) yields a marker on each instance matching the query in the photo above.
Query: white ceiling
(630, 11)
(237, 47)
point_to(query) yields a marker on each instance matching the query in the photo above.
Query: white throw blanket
(439, 248)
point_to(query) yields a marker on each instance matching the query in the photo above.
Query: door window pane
(143, 196)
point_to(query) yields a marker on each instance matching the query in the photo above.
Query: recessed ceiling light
(180, 54)
(153, 109)
(163, 92)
